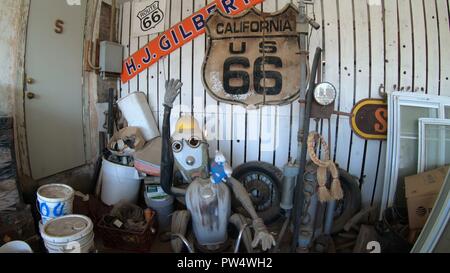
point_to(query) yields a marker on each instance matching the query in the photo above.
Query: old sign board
(148, 17)
(369, 119)
(252, 59)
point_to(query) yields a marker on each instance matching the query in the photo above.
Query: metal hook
(238, 241)
(184, 240)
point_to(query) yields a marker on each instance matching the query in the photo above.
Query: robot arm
(262, 235)
(172, 90)
(242, 195)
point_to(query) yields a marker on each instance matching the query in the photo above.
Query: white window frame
(395, 101)
(423, 122)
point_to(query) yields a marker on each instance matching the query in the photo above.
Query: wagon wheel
(262, 181)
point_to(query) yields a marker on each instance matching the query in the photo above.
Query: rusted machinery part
(281, 235)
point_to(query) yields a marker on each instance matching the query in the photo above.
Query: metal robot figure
(210, 185)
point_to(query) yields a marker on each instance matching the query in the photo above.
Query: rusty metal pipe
(281, 234)
(298, 197)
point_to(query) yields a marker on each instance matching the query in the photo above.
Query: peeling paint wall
(11, 20)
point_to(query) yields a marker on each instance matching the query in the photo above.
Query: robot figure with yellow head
(209, 187)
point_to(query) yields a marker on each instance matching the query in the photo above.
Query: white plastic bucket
(164, 209)
(119, 183)
(69, 234)
(54, 200)
(137, 112)
(16, 247)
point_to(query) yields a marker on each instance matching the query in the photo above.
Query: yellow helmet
(187, 127)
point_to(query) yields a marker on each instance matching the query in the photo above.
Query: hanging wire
(89, 57)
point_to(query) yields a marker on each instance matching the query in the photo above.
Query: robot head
(190, 150)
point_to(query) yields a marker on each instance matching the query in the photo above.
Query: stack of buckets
(62, 231)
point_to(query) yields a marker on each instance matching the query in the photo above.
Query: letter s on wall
(381, 117)
(59, 26)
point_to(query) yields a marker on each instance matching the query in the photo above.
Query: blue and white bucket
(69, 234)
(54, 200)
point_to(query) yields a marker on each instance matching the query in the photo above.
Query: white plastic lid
(67, 228)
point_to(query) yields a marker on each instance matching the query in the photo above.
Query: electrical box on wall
(111, 57)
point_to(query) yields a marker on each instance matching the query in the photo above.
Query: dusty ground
(160, 246)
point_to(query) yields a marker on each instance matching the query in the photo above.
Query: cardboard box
(421, 192)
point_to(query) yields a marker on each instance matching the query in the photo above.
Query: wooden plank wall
(397, 44)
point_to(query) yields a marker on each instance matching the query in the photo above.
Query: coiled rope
(324, 166)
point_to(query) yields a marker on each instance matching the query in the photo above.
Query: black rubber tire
(272, 213)
(351, 201)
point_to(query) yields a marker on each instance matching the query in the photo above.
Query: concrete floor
(94, 208)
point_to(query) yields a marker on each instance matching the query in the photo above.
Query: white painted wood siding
(398, 44)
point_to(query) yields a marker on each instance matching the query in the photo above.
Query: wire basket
(126, 239)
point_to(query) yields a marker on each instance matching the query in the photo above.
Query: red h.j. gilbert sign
(178, 35)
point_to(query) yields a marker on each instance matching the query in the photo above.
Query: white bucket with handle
(54, 200)
(69, 234)
(137, 112)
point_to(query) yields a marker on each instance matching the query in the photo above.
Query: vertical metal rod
(239, 239)
(110, 120)
(299, 199)
(281, 235)
(303, 41)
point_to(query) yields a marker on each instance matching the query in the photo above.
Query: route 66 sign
(148, 17)
(253, 59)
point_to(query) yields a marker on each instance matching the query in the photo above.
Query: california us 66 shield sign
(252, 59)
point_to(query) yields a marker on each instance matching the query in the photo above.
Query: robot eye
(194, 142)
(177, 146)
